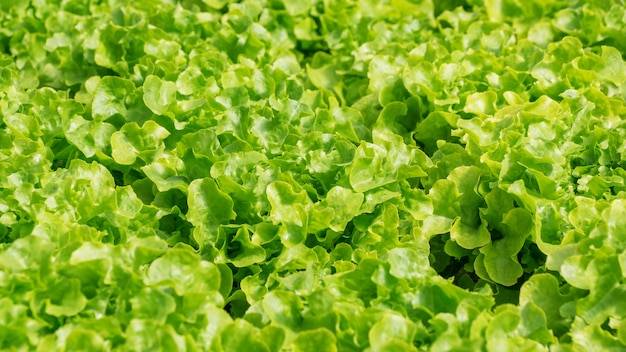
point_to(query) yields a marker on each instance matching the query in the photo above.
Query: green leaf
(605, 294)
(295, 8)
(240, 336)
(84, 340)
(241, 251)
(542, 291)
(158, 95)
(445, 198)
(289, 209)
(481, 103)
(390, 328)
(23, 125)
(616, 219)
(209, 207)
(436, 126)
(65, 298)
(152, 304)
(109, 97)
(501, 268)
(368, 168)
(594, 337)
(421, 79)
(147, 334)
(87, 189)
(165, 171)
(320, 340)
(128, 143)
(184, 270)
(382, 73)
(469, 237)
(90, 137)
(283, 308)
(322, 71)
(407, 263)
(417, 203)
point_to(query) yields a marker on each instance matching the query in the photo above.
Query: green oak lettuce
(282, 175)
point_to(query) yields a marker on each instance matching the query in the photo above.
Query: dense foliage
(310, 175)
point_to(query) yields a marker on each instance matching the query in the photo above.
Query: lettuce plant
(320, 175)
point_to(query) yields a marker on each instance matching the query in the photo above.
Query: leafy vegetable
(403, 175)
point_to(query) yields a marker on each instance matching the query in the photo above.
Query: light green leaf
(289, 209)
(83, 340)
(542, 291)
(153, 304)
(65, 298)
(469, 237)
(242, 336)
(345, 204)
(132, 142)
(209, 207)
(158, 95)
(109, 97)
(283, 308)
(316, 340)
(501, 268)
(184, 270)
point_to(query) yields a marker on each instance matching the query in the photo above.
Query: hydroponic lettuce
(286, 175)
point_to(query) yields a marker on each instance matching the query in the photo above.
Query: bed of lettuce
(287, 175)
